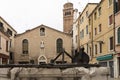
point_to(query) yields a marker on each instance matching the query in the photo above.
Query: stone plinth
(76, 73)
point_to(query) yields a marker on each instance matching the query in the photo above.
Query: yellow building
(4, 49)
(102, 34)
(11, 32)
(117, 40)
(41, 44)
(6, 29)
(83, 27)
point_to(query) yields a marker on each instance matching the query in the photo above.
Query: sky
(27, 14)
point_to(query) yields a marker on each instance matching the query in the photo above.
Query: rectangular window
(99, 11)
(100, 47)
(82, 33)
(82, 19)
(90, 51)
(87, 48)
(110, 2)
(96, 49)
(86, 13)
(87, 29)
(9, 32)
(1, 26)
(7, 46)
(100, 29)
(111, 43)
(95, 31)
(89, 35)
(76, 37)
(110, 19)
(10, 43)
(95, 16)
(0, 42)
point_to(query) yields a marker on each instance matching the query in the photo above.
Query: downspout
(92, 38)
(78, 35)
(114, 4)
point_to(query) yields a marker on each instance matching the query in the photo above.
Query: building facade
(84, 38)
(41, 44)
(7, 38)
(4, 49)
(81, 28)
(102, 32)
(99, 34)
(117, 40)
(7, 28)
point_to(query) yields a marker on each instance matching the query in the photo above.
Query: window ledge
(24, 55)
(118, 44)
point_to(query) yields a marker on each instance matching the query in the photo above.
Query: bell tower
(68, 13)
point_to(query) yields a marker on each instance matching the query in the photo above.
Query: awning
(105, 57)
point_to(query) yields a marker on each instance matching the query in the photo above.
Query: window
(95, 30)
(89, 35)
(1, 26)
(99, 11)
(10, 43)
(87, 29)
(0, 41)
(82, 19)
(82, 33)
(76, 38)
(7, 46)
(110, 19)
(87, 48)
(95, 48)
(118, 33)
(100, 47)
(111, 43)
(110, 2)
(9, 32)
(95, 16)
(67, 13)
(90, 51)
(59, 44)
(100, 28)
(42, 31)
(86, 13)
(25, 46)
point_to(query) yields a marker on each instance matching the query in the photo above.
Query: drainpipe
(78, 35)
(114, 24)
(92, 39)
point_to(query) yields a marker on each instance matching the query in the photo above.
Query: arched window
(59, 45)
(118, 33)
(25, 46)
(42, 31)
